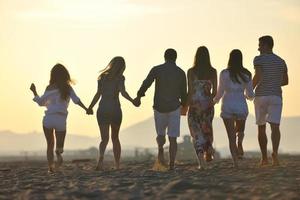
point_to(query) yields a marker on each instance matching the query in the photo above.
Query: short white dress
(57, 108)
(233, 96)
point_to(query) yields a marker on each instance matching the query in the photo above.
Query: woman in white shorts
(235, 86)
(56, 99)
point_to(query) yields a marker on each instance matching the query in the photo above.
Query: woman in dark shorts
(109, 114)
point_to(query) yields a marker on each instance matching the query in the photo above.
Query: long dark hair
(60, 77)
(202, 65)
(236, 69)
(114, 69)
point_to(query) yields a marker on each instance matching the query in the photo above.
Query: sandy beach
(137, 180)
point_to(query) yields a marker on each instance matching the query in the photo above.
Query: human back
(110, 88)
(272, 69)
(169, 81)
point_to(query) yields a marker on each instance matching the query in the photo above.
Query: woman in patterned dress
(202, 87)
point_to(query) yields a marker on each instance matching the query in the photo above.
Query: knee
(114, 139)
(261, 129)
(59, 150)
(173, 140)
(161, 140)
(275, 128)
(105, 140)
(50, 145)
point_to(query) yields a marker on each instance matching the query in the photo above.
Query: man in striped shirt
(270, 76)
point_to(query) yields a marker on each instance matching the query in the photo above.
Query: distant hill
(13, 143)
(143, 134)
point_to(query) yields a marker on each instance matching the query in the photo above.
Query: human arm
(95, 98)
(214, 83)
(40, 100)
(183, 95)
(285, 78)
(77, 100)
(256, 77)
(186, 93)
(249, 94)
(124, 93)
(146, 83)
(221, 87)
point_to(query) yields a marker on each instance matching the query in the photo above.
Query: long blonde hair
(114, 69)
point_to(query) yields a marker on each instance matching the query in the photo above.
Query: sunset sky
(85, 35)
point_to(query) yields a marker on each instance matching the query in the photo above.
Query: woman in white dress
(235, 86)
(56, 99)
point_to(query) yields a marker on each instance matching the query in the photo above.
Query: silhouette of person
(170, 95)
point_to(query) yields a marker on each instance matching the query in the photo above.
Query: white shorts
(55, 121)
(268, 109)
(167, 122)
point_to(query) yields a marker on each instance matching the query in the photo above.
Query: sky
(86, 35)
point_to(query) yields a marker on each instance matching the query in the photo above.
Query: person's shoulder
(214, 71)
(190, 71)
(121, 78)
(157, 67)
(224, 72)
(180, 69)
(278, 58)
(50, 87)
(257, 58)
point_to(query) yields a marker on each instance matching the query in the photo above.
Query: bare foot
(171, 167)
(209, 154)
(201, 168)
(59, 160)
(99, 166)
(275, 161)
(235, 165)
(51, 169)
(161, 158)
(117, 166)
(264, 162)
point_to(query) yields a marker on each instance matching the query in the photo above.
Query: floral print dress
(200, 116)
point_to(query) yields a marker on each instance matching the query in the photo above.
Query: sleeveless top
(110, 89)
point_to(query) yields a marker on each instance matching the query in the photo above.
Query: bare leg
(161, 140)
(60, 141)
(172, 151)
(202, 164)
(104, 131)
(275, 136)
(240, 128)
(263, 141)
(229, 124)
(116, 144)
(50, 148)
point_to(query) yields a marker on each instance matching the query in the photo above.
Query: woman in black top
(109, 114)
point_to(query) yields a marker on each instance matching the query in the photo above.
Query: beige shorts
(268, 109)
(167, 123)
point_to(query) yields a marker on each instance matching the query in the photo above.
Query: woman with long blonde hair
(109, 114)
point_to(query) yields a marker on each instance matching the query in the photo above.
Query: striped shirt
(272, 70)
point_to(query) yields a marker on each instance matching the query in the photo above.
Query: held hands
(184, 110)
(137, 101)
(89, 111)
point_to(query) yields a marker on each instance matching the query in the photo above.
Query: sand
(137, 180)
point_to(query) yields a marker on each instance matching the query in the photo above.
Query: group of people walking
(176, 95)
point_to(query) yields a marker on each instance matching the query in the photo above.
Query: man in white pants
(170, 95)
(270, 76)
